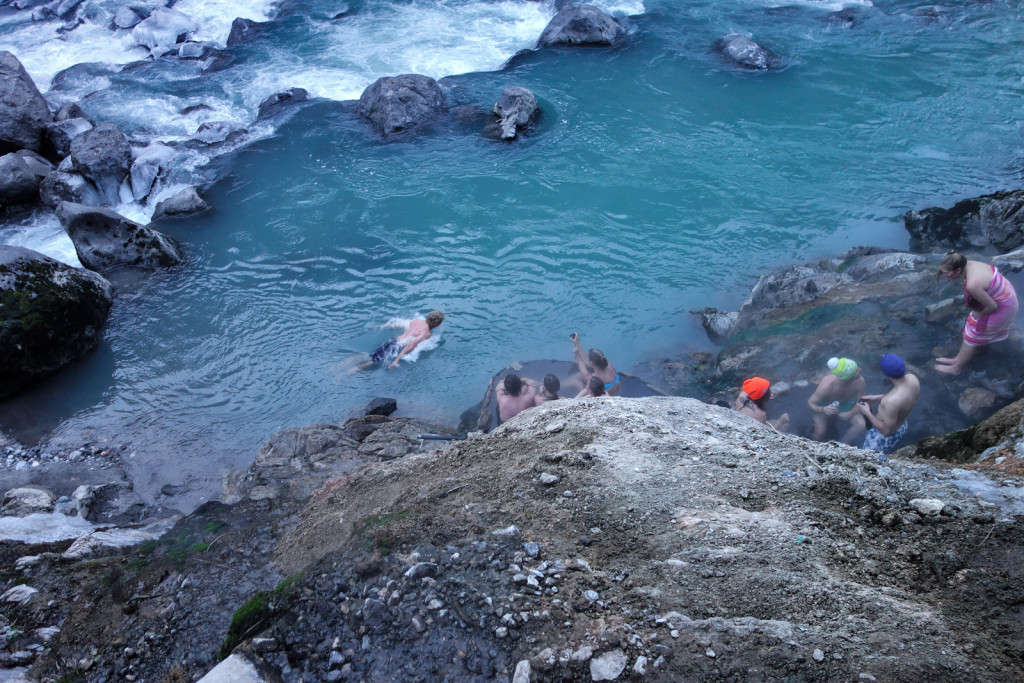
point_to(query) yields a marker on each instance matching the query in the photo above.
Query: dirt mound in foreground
(673, 538)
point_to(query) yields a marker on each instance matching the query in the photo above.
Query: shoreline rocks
(105, 240)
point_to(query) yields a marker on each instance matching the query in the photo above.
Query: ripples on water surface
(657, 182)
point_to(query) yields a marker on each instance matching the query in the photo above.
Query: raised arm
(581, 358)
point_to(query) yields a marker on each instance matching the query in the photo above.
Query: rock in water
(60, 186)
(105, 240)
(995, 220)
(51, 314)
(103, 157)
(515, 109)
(744, 52)
(148, 165)
(18, 184)
(184, 203)
(164, 29)
(23, 111)
(60, 134)
(280, 101)
(581, 25)
(398, 103)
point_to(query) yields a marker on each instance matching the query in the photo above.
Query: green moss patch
(256, 612)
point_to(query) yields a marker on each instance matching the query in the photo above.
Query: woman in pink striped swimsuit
(992, 301)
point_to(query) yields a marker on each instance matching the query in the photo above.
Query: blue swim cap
(893, 366)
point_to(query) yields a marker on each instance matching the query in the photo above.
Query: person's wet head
(513, 384)
(597, 359)
(551, 385)
(596, 386)
(434, 319)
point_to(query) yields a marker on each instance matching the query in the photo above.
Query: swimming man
(390, 352)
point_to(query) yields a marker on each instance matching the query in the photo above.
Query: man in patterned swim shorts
(889, 424)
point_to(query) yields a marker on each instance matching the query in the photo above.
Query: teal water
(656, 182)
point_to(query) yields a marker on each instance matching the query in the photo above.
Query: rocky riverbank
(598, 539)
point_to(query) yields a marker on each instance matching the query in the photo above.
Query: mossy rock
(50, 315)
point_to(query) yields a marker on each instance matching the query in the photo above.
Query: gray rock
(278, 102)
(19, 595)
(741, 51)
(237, 668)
(381, 406)
(549, 479)
(401, 103)
(147, 166)
(990, 221)
(126, 18)
(976, 403)
(103, 156)
(719, 325)
(55, 315)
(61, 186)
(72, 110)
(105, 240)
(187, 202)
(515, 109)
(113, 503)
(18, 184)
(194, 50)
(37, 164)
(927, 507)
(24, 501)
(581, 25)
(215, 132)
(608, 666)
(523, 672)
(60, 134)
(100, 541)
(510, 534)
(532, 549)
(243, 30)
(421, 569)
(23, 111)
(163, 29)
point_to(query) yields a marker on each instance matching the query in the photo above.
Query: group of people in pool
(597, 377)
(839, 398)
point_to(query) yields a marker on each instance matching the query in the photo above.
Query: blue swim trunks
(874, 441)
(387, 352)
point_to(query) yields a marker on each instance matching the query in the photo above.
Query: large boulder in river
(398, 103)
(243, 30)
(581, 25)
(105, 240)
(62, 186)
(50, 314)
(103, 156)
(23, 111)
(993, 221)
(515, 109)
(281, 101)
(741, 51)
(18, 184)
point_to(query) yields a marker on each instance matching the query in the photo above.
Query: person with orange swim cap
(752, 400)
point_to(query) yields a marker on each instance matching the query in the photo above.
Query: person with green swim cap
(835, 401)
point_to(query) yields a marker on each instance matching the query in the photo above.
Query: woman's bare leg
(953, 366)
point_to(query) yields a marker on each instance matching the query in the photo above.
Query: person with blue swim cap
(889, 422)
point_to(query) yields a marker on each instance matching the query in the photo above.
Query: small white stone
(709, 653)
(818, 655)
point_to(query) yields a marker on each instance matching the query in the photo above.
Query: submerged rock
(993, 221)
(103, 156)
(515, 109)
(60, 134)
(243, 30)
(581, 25)
(400, 103)
(126, 18)
(52, 314)
(105, 240)
(149, 163)
(278, 102)
(741, 51)
(216, 132)
(185, 203)
(23, 111)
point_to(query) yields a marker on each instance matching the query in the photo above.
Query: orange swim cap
(756, 387)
